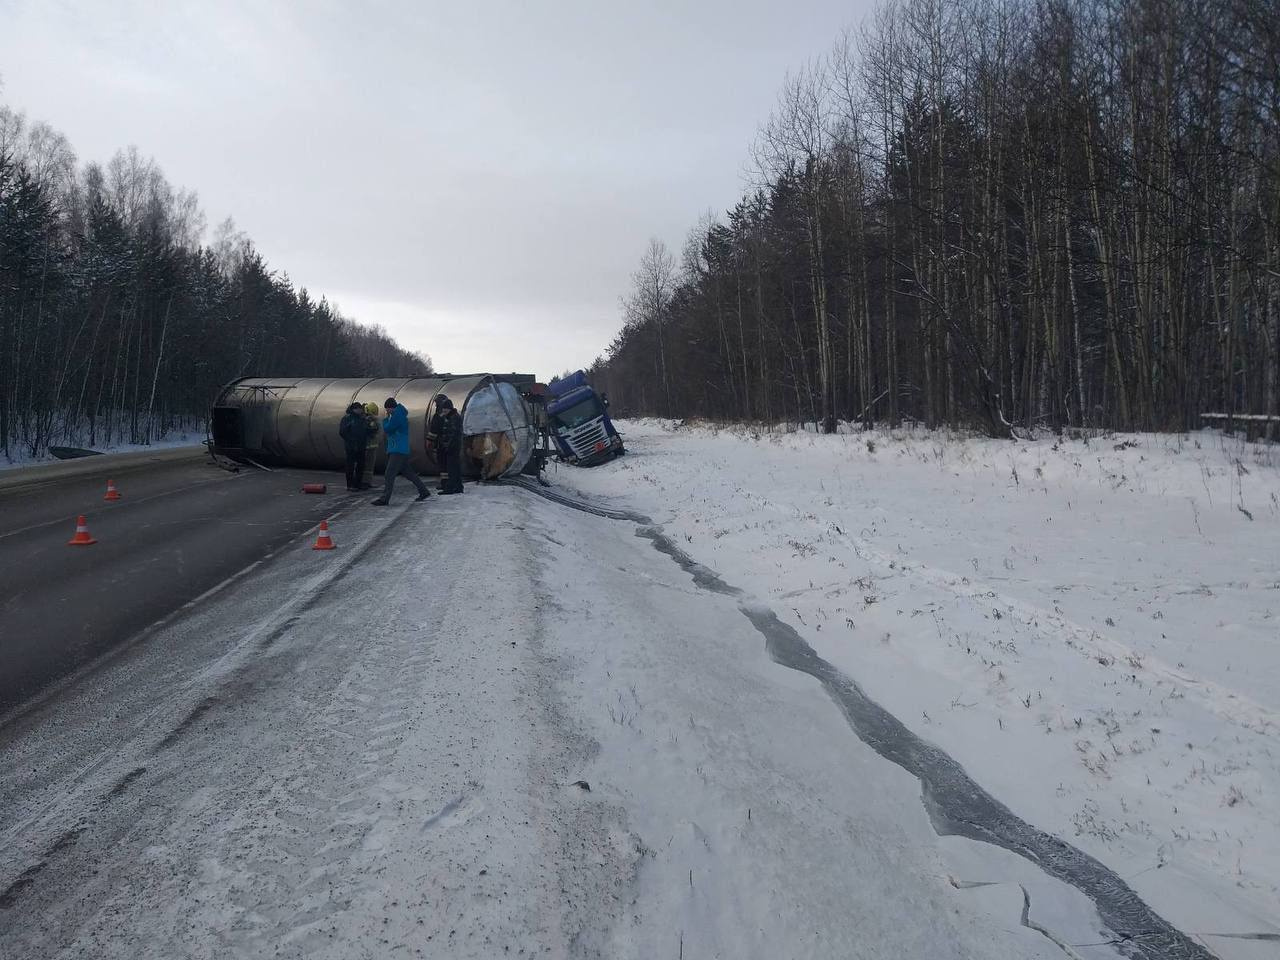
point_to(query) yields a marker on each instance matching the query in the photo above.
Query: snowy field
(1091, 628)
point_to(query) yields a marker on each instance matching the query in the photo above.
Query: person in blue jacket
(395, 427)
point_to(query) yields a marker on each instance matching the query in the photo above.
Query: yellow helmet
(371, 409)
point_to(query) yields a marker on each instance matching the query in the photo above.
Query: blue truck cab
(578, 420)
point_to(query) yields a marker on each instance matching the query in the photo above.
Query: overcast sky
(480, 178)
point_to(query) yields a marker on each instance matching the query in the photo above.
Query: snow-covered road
(487, 726)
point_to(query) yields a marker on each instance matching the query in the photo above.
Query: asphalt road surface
(183, 527)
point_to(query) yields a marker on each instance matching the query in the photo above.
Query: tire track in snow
(332, 792)
(955, 803)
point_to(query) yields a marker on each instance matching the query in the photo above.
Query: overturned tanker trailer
(294, 421)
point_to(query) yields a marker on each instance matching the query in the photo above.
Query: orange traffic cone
(322, 541)
(82, 538)
(112, 492)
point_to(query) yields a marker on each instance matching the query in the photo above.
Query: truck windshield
(579, 413)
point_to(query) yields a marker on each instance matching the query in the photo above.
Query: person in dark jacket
(444, 440)
(395, 427)
(354, 430)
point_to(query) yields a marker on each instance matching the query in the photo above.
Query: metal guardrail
(1255, 424)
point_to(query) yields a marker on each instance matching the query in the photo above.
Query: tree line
(118, 322)
(994, 213)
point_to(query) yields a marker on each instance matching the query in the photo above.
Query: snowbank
(175, 438)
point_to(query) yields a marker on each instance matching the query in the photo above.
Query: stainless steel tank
(294, 421)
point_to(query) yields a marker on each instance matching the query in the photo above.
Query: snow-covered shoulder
(1090, 626)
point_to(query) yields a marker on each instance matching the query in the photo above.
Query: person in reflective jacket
(371, 446)
(444, 441)
(354, 430)
(395, 426)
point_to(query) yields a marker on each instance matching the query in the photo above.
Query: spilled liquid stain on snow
(704, 577)
(956, 805)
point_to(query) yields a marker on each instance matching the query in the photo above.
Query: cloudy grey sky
(478, 177)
